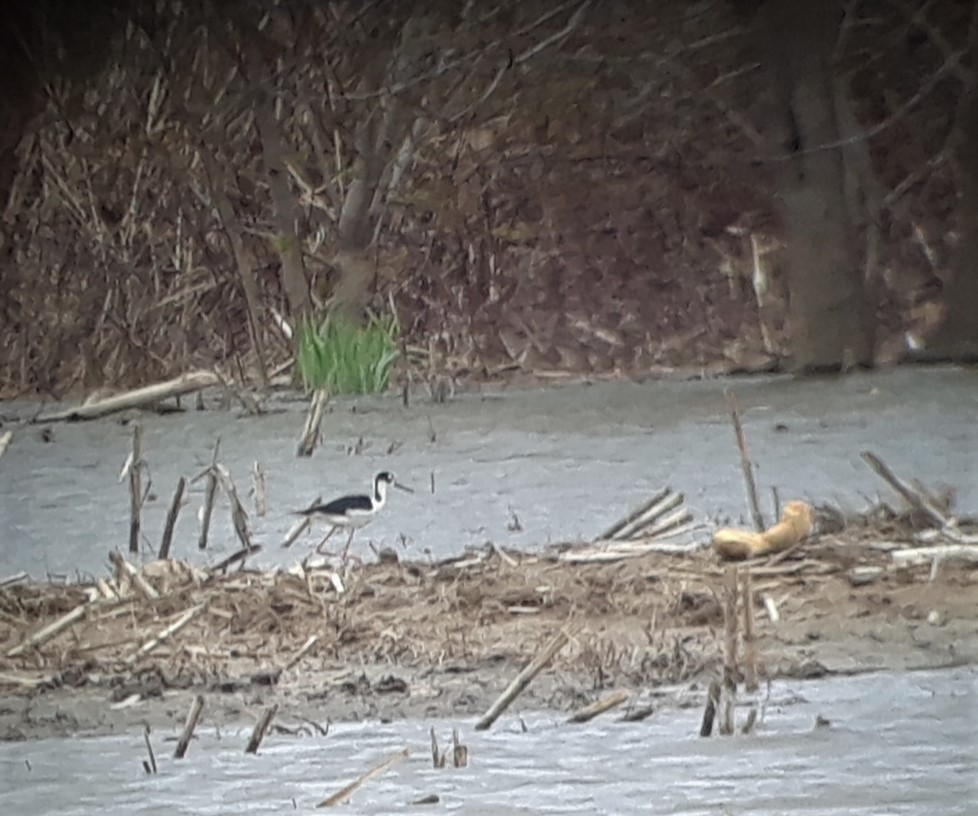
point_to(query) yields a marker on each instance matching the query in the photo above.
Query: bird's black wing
(340, 506)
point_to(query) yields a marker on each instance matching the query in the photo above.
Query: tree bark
(832, 317)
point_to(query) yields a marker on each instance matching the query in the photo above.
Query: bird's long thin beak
(405, 488)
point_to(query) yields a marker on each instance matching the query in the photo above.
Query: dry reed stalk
(522, 680)
(750, 637)
(919, 500)
(135, 487)
(49, 631)
(239, 516)
(168, 632)
(240, 555)
(149, 766)
(344, 794)
(616, 698)
(12, 580)
(710, 710)
(311, 641)
(259, 481)
(171, 519)
(124, 571)
(460, 752)
(635, 514)
(210, 493)
(745, 463)
(438, 757)
(298, 529)
(314, 418)
(196, 707)
(261, 727)
(729, 691)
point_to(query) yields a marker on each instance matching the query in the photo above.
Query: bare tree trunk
(957, 338)
(833, 320)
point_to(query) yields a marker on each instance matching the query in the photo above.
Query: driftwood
(609, 701)
(522, 680)
(345, 793)
(915, 556)
(138, 398)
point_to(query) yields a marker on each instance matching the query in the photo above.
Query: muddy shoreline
(411, 641)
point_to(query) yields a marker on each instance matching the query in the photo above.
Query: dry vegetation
(443, 637)
(565, 187)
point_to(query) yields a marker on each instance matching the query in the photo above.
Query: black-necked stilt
(354, 511)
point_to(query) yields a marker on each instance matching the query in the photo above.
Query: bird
(354, 511)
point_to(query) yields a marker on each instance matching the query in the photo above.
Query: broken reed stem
(729, 690)
(438, 758)
(258, 734)
(135, 487)
(169, 631)
(5, 442)
(633, 515)
(196, 707)
(298, 529)
(49, 631)
(314, 418)
(240, 555)
(745, 463)
(210, 493)
(522, 680)
(239, 516)
(750, 637)
(151, 765)
(710, 711)
(616, 698)
(915, 498)
(260, 481)
(311, 641)
(171, 519)
(344, 794)
(460, 752)
(124, 570)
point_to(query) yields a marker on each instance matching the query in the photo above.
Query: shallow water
(566, 461)
(897, 744)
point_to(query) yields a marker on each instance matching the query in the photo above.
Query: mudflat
(393, 639)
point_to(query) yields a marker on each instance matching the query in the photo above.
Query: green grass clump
(344, 357)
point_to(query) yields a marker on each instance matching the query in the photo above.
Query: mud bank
(407, 640)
